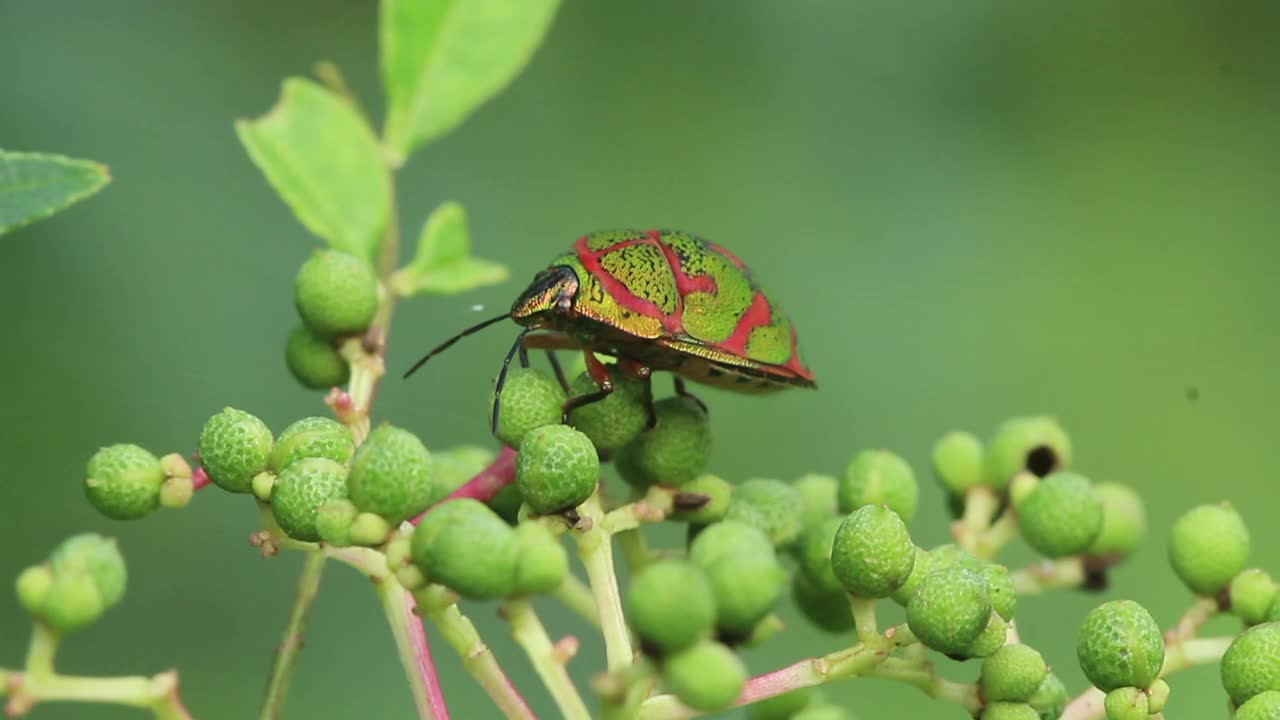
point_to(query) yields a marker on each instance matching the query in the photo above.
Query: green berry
(99, 557)
(746, 588)
(176, 492)
(950, 609)
(1208, 546)
(722, 539)
(878, 477)
(74, 601)
(780, 707)
(773, 506)
(1004, 599)
(541, 562)
(557, 468)
(674, 451)
(1124, 520)
(334, 520)
(262, 485)
(464, 545)
(872, 554)
(234, 446)
(336, 293)
(1013, 673)
(1251, 664)
(1037, 445)
(952, 555)
(826, 609)
(33, 587)
(989, 641)
(368, 529)
(1157, 696)
(299, 492)
(1062, 516)
(922, 566)
(1263, 706)
(1127, 703)
(1050, 699)
(314, 361)
(391, 474)
(718, 493)
(312, 437)
(618, 418)
(670, 605)
(706, 676)
(1252, 593)
(813, 554)
(124, 482)
(818, 492)
(1008, 711)
(1120, 645)
(530, 399)
(957, 461)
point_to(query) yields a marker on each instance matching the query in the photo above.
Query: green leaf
(443, 264)
(443, 59)
(34, 185)
(322, 157)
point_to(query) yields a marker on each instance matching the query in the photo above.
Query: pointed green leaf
(443, 264)
(36, 185)
(443, 59)
(322, 157)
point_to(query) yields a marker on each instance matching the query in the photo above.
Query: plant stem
(924, 676)
(41, 651)
(532, 636)
(1049, 575)
(864, 621)
(595, 548)
(411, 643)
(287, 651)
(576, 596)
(988, 544)
(1200, 612)
(478, 659)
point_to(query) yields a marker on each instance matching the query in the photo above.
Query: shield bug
(657, 300)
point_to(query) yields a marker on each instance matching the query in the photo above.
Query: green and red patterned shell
(674, 301)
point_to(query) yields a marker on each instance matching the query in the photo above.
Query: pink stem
(500, 473)
(426, 665)
(779, 681)
(199, 478)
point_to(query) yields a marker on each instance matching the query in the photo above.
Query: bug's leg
(600, 374)
(524, 357)
(645, 373)
(502, 380)
(683, 391)
(558, 370)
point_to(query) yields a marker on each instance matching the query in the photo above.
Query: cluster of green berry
(83, 578)
(336, 295)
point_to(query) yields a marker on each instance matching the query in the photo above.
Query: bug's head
(551, 293)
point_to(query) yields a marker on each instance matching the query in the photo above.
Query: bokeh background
(972, 210)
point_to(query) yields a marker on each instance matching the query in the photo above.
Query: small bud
(1008, 711)
(124, 482)
(1021, 487)
(1062, 516)
(530, 399)
(369, 529)
(872, 553)
(410, 577)
(1208, 546)
(773, 506)
(1004, 599)
(33, 588)
(1251, 664)
(312, 437)
(1120, 645)
(706, 676)
(336, 293)
(397, 551)
(1124, 520)
(878, 477)
(818, 491)
(670, 605)
(1050, 699)
(314, 361)
(718, 493)
(617, 419)
(262, 485)
(73, 602)
(1158, 695)
(234, 446)
(176, 492)
(334, 520)
(1127, 703)
(1013, 673)
(919, 570)
(950, 609)
(1037, 445)
(301, 489)
(957, 461)
(989, 641)
(391, 475)
(674, 451)
(1251, 593)
(175, 465)
(557, 468)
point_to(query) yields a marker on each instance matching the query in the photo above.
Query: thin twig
(286, 655)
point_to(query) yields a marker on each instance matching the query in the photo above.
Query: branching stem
(287, 651)
(532, 637)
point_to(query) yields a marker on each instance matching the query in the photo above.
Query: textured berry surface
(334, 520)
(1004, 599)
(557, 468)
(99, 557)
(957, 461)
(773, 506)
(718, 492)
(299, 492)
(989, 641)
(824, 608)
(335, 293)
(541, 561)
(1037, 445)
(813, 554)
(1208, 545)
(878, 477)
(818, 491)
(872, 554)
(1013, 673)
(234, 446)
(314, 361)
(706, 676)
(670, 605)
(1050, 699)
(464, 545)
(950, 609)
(1127, 703)
(617, 419)
(124, 482)
(920, 569)
(1252, 664)
(1008, 711)
(674, 451)
(1124, 520)
(1252, 592)
(530, 399)
(312, 437)
(1263, 706)
(391, 474)
(1120, 645)
(1062, 516)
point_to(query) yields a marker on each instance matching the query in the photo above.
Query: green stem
(988, 544)
(576, 596)
(864, 620)
(396, 603)
(1049, 575)
(924, 676)
(532, 637)
(287, 651)
(595, 548)
(41, 651)
(478, 659)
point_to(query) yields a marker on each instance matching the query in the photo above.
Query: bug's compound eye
(564, 304)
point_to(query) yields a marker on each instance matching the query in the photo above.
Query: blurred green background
(972, 210)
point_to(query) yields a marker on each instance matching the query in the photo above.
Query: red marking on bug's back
(612, 285)
(757, 315)
(685, 283)
(728, 256)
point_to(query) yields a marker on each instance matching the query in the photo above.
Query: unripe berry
(314, 361)
(989, 641)
(1251, 593)
(818, 491)
(176, 492)
(813, 555)
(1008, 711)
(1120, 645)
(334, 520)
(73, 602)
(33, 587)
(557, 468)
(1127, 703)
(1124, 520)
(124, 482)
(391, 474)
(878, 477)
(780, 707)
(530, 399)
(1251, 664)
(872, 554)
(1013, 673)
(541, 562)
(1263, 706)
(773, 506)
(299, 492)
(950, 609)
(99, 557)
(746, 588)
(674, 451)
(617, 419)
(957, 461)
(368, 529)
(921, 568)
(706, 676)
(336, 293)
(234, 446)
(1208, 546)
(670, 605)
(1050, 699)
(1062, 516)
(312, 437)
(827, 609)
(718, 493)
(1004, 599)
(722, 539)
(464, 545)
(1037, 445)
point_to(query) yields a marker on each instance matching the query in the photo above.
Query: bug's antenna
(447, 343)
(502, 377)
